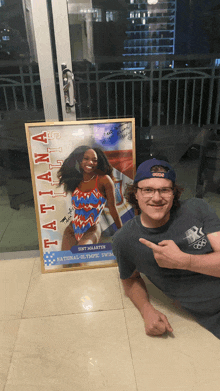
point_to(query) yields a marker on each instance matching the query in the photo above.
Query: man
(175, 244)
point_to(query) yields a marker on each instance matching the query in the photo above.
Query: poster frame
(51, 127)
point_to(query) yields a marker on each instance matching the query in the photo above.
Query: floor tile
(72, 292)
(14, 281)
(187, 361)
(20, 235)
(8, 335)
(83, 352)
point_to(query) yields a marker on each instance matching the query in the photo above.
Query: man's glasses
(148, 192)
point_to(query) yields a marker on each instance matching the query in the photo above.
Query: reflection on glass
(20, 102)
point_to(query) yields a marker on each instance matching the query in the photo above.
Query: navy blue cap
(144, 170)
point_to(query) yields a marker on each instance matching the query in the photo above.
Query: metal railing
(155, 96)
(20, 90)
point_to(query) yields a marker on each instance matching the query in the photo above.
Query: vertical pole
(211, 85)
(89, 90)
(159, 95)
(32, 87)
(45, 59)
(23, 88)
(193, 101)
(168, 103)
(217, 103)
(151, 95)
(200, 103)
(97, 89)
(141, 106)
(185, 97)
(176, 105)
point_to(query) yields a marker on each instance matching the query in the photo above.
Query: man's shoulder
(193, 205)
(127, 229)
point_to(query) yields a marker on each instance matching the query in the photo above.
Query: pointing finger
(148, 244)
(165, 242)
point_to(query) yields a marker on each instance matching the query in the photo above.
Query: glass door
(63, 59)
(27, 94)
(90, 38)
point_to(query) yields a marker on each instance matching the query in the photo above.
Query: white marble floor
(76, 331)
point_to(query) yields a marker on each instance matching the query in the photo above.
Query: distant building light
(152, 1)
(5, 38)
(217, 62)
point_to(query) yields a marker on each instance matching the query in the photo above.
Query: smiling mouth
(157, 206)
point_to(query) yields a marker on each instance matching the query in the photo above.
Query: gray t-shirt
(188, 227)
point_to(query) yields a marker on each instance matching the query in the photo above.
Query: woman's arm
(109, 190)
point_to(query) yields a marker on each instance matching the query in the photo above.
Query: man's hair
(131, 190)
(159, 169)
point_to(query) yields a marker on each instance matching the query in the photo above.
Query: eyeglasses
(148, 192)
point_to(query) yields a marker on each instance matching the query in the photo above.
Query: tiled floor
(76, 331)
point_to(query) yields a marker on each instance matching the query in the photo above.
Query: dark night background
(197, 27)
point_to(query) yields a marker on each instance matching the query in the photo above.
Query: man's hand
(167, 254)
(156, 323)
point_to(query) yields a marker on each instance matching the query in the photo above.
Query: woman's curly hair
(70, 173)
(131, 190)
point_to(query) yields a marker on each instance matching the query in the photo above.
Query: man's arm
(155, 322)
(208, 263)
(168, 255)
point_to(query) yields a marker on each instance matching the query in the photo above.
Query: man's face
(155, 210)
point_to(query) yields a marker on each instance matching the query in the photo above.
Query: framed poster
(79, 172)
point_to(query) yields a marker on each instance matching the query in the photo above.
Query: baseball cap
(144, 170)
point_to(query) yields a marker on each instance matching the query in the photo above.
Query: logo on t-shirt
(196, 237)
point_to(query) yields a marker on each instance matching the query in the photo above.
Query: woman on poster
(87, 174)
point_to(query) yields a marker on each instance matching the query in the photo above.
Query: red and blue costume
(88, 207)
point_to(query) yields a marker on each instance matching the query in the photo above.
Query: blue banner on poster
(69, 257)
(92, 248)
